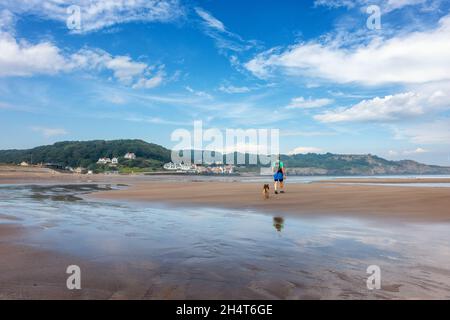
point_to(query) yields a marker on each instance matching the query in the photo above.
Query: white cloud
(114, 98)
(434, 132)
(336, 3)
(418, 150)
(124, 69)
(210, 20)
(7, 20)
(417, 57)
(398, 4)
(156, 120)
(386, 5)
(415, 151)
(245, 148)
(393, 153)
(99, 14)
(24, 59)
(225, 40)
(200, 94)
(305, 150)
(348, 95)
(248, 111)
(302, 103)
(393, 107)
(306, 133)
(232, 89)
(21, 58)
(149, 83)
(50, 132)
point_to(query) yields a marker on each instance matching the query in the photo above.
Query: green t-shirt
(278, 164)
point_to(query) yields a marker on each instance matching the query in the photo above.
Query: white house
(24, 164)
(104, 160)
(171, 166)
(216, 170)
(181, 167)
(130, 156)
(114, 161)
(228, 169)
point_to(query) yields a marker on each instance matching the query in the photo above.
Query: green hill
(152, 157)
(348, 164)
(345, 164)
(86, 153)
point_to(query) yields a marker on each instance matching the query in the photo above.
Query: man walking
(279, 175)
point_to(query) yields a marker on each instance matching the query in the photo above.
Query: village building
(104, 161)
(171, 166)
(130, 156)
(229, 169)
(185, 168)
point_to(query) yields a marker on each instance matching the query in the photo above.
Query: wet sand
(387, 180)
(328, 265)
(30, 175)
(332, 197)
(317, 199)
(32, 272)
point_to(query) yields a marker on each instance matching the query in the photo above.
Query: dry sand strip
(404, 203)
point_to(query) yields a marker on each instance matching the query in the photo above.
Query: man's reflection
(278, 223)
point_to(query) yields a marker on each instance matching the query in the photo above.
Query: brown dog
(266, 191)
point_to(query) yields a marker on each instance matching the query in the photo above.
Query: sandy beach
(387, 202)
(33, 271)
(342, 197)
(30, 272)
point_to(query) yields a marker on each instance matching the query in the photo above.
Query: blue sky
(313, 69)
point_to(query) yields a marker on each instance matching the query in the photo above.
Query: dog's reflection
(278, 223)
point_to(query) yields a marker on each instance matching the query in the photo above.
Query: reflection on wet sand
(278, 223)
(148, 251)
